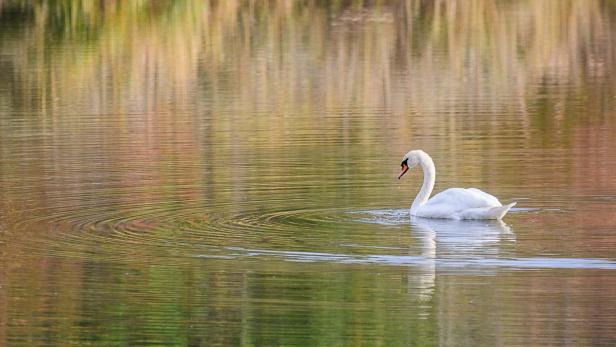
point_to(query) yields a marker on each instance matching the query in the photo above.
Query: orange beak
(405, 168)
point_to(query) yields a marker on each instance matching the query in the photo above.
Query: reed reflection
(353, 74)
(398, 55)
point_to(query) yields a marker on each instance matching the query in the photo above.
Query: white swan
(453, 203)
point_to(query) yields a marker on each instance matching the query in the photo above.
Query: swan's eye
(404, 162)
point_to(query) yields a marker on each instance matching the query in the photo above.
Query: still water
(223, 172)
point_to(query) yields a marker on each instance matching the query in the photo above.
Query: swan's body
(453, 203)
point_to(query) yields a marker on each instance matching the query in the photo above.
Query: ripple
(177, 229)
(445, 264)
(383, 217)
(188, 229)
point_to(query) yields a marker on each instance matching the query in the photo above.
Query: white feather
(453, 203)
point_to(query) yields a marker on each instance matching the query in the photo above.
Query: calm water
(223, 173)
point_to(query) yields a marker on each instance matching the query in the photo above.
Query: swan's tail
(500, 211)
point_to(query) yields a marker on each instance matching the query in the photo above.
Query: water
(223, 173)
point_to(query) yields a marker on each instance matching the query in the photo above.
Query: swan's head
(410, 160)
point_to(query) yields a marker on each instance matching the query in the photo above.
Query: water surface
(223, 173)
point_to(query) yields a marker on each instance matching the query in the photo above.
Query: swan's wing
(488, 198)
(456, 199)
(460, 203)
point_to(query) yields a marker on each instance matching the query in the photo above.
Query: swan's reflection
(441, 239)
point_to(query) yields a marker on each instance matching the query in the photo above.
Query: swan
(453, 203)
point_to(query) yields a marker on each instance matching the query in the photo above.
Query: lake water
(223, 172)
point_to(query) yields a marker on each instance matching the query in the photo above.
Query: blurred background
(201, 172)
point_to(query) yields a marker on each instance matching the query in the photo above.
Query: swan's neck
(428, 183)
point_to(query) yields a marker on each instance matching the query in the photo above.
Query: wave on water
(408, 260)
(382, 217)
